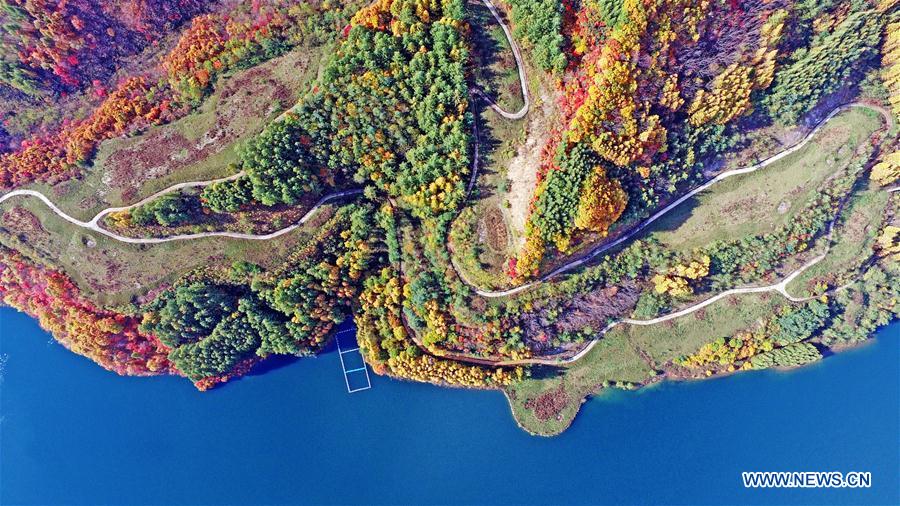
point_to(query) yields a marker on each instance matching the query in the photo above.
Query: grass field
(611, 360)
(197, 147)
(762, 201)
(854, 237)
(616, 357)
(684, 336)
(111, 272)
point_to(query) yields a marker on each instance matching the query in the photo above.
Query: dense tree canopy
(279, 166)
(650, 93)
(166, 211)
(228, 196)
(189, 313)
(540, 23)
(824, 67)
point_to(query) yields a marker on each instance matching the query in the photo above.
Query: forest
(649, 100)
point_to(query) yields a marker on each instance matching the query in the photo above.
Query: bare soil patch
(523, 168)
(22, 220)
(164, 151)
(550, 404)
(834, 138)
(495, 230)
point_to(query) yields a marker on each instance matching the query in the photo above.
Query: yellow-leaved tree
(887, 171)
(602, 202)
(890, 65)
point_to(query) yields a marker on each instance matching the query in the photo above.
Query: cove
(72, 433)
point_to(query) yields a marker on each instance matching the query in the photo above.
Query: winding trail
(662, 212)
(94, 223)
(781, 287)
(520, 66)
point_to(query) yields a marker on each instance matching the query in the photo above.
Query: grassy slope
(238, 111)
(111, 272)
(613, 360)
(496, 74)
(685, 335)
(616, 359)
(755, 203)
(793, 180)
(853, 239)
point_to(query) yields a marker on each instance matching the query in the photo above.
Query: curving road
(780, 287)
(639, 228)
(94, 223)
(520, 66)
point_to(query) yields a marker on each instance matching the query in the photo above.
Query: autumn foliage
(388, 347)
(212, 44)
(601, 204)
(650, 78)
(67, 45)
(200, 43)
(890, 65)
(55, 156)
(215, 43)
(678, 281)
(448, 372)
(112, 340)
(394, 15)
(887, 171)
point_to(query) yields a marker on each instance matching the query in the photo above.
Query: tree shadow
(487, 49)
(488, 144)
(543, 372)
(273, 363)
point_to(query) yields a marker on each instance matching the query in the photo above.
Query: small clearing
(523, 168)
(198, 146)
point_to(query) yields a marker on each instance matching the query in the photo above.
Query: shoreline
(596, 393)
(664, 378)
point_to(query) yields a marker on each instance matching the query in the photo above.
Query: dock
(356, 373)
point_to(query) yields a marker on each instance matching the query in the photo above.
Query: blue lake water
(72, 433)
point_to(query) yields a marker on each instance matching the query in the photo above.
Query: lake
(72, 433)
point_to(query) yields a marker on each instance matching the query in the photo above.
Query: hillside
(546, 198)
